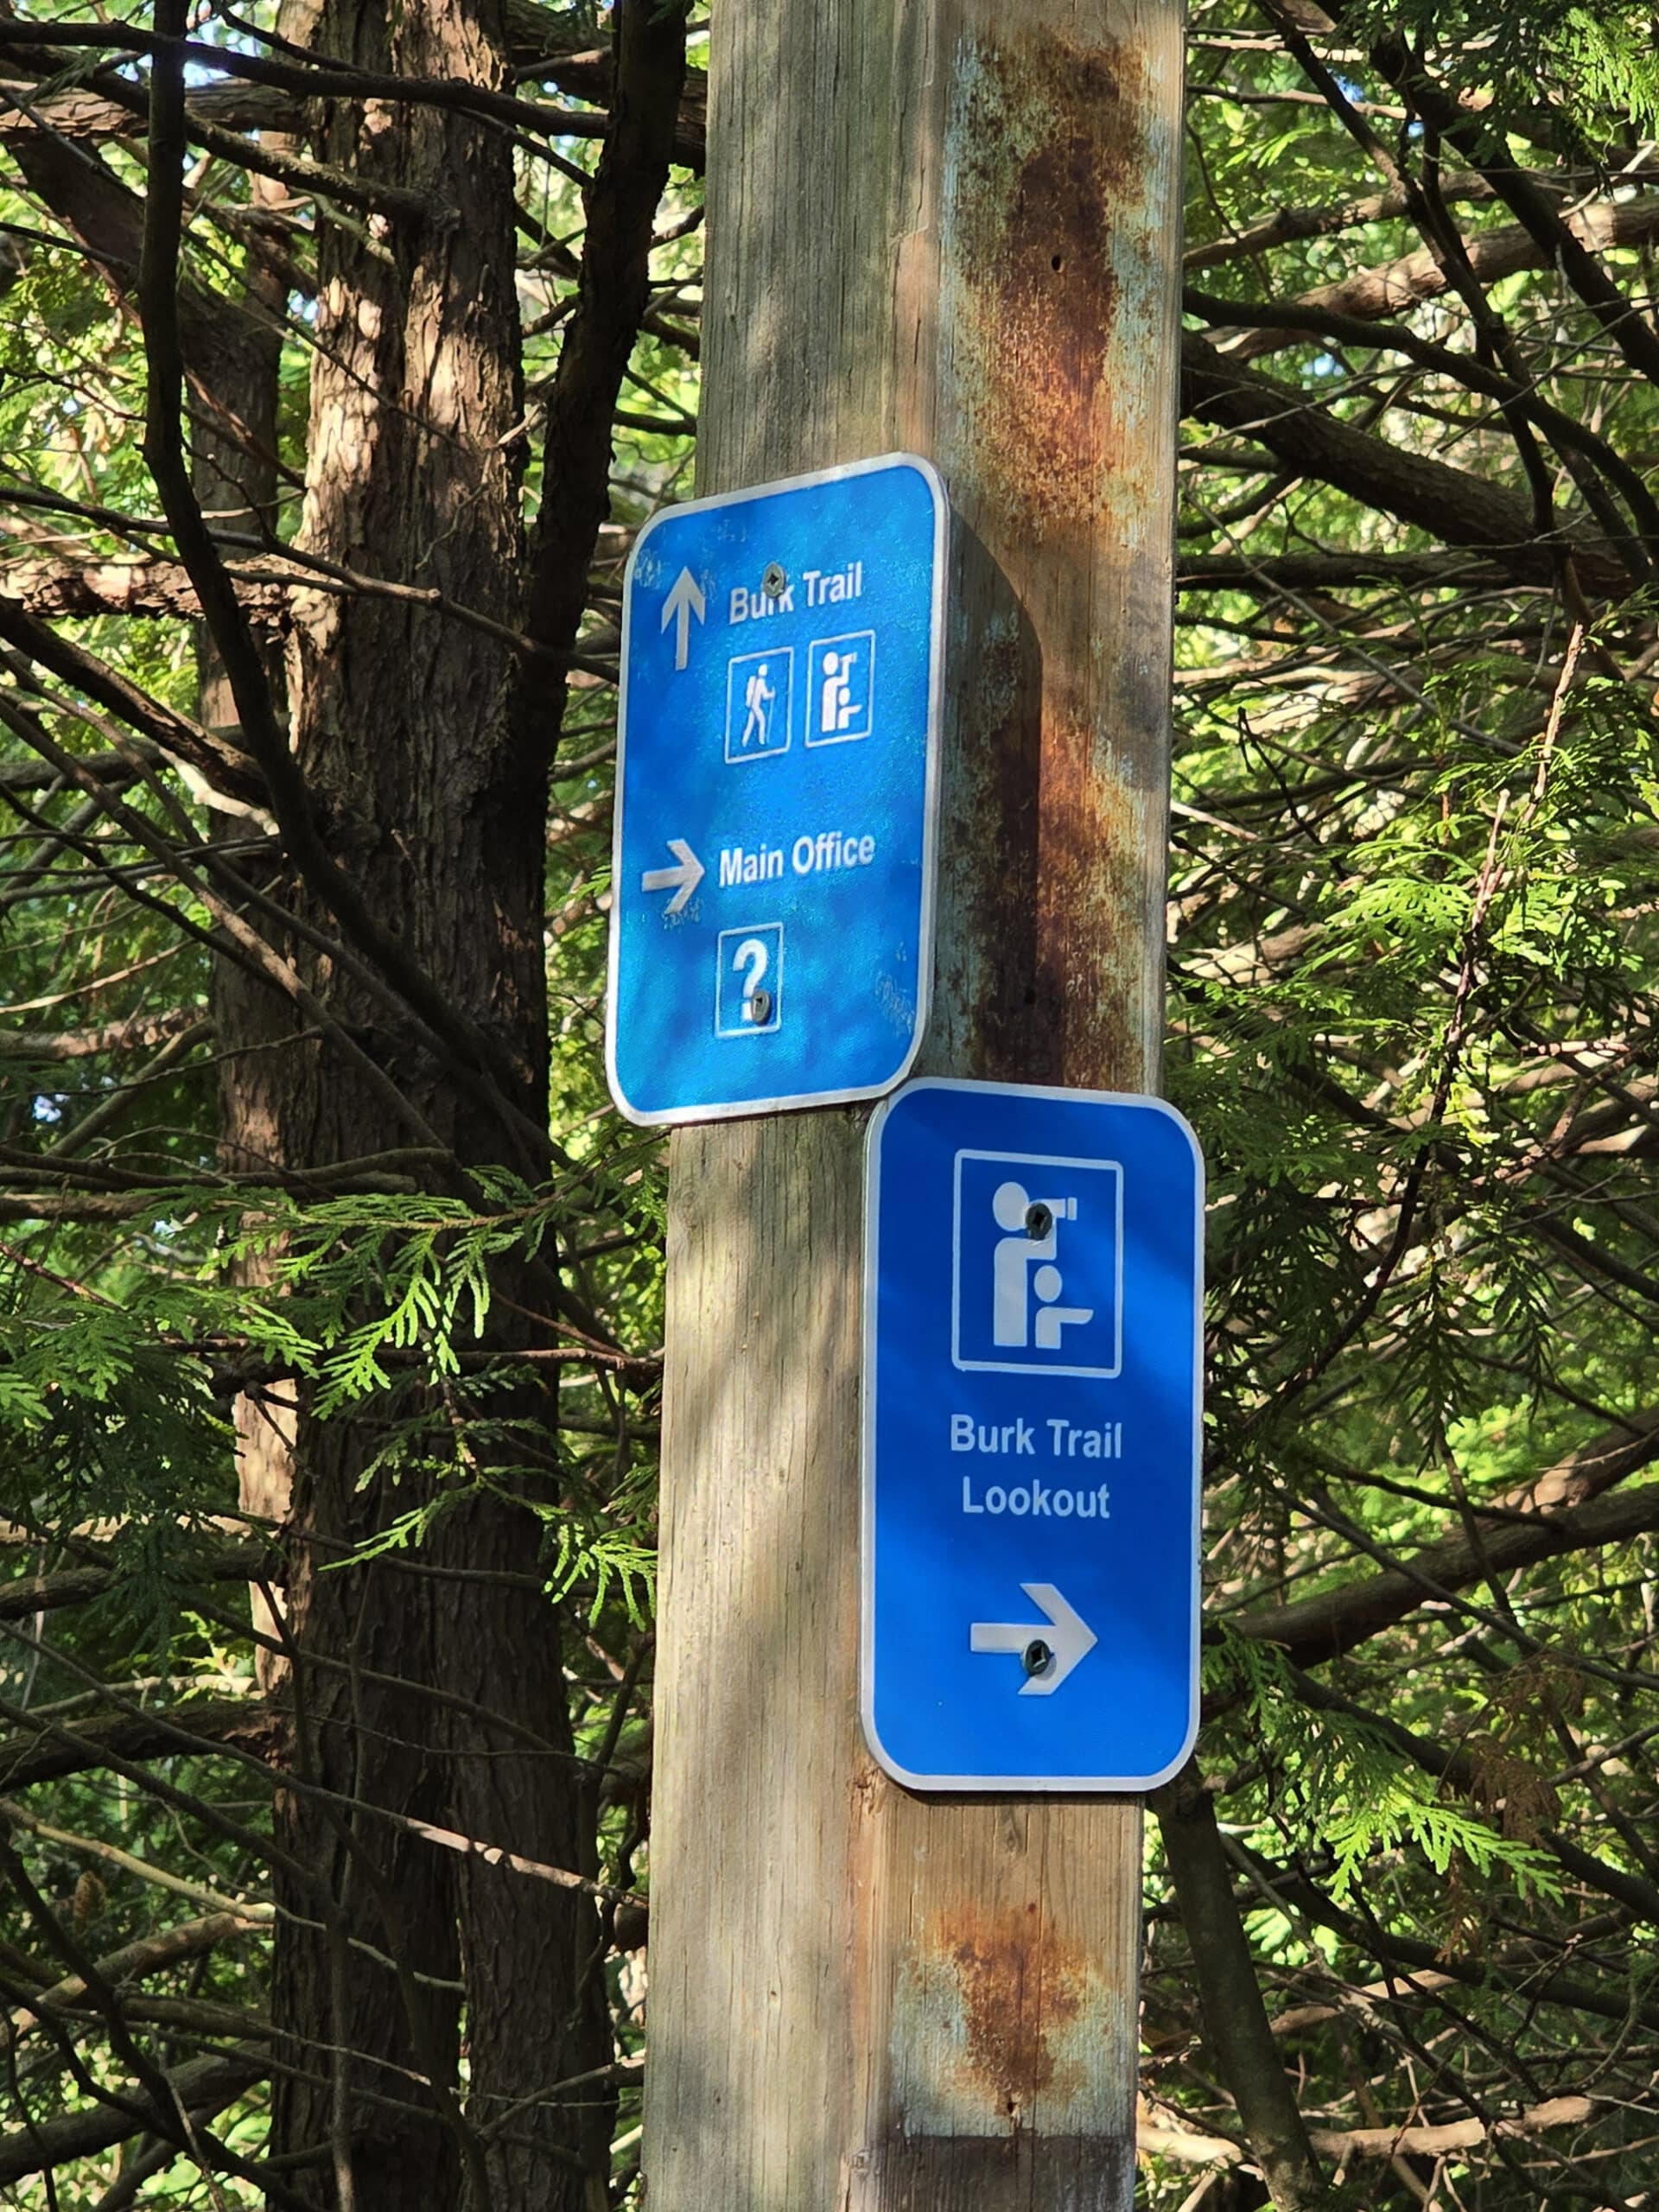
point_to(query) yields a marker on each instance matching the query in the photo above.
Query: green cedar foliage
(1413, 1018)
(1412, 1015)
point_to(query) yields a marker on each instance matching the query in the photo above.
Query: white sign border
(743, 1109)
(1007, 1785)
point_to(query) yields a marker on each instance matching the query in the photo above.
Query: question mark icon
(752, 959)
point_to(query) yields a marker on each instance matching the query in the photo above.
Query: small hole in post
(1058, 262)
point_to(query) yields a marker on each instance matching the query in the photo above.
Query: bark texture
(398, 720)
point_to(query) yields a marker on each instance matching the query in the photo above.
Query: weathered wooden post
(949, 226)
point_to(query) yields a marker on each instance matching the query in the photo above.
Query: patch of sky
(198, 73)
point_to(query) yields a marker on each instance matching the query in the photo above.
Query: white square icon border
(820, 645)
(1033, 1366)
(770, 979)
(738, 707)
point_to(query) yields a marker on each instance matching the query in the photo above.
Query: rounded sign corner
(1168, 1772)
(894, 1768)
(878, 1121)
(623, 1105)
(889, 1100)
(647, 530)
(900, 1079)
(929, 472)
(1172, 1113)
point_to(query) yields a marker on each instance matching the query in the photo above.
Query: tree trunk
(399, 724)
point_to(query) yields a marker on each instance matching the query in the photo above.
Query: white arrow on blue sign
(773, 886)
(1032, 1381)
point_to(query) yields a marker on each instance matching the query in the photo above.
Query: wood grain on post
(952, 227)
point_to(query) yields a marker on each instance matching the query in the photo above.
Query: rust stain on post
(1056, 291)
(1096, 822)
(1008, 2023)
(997, 2026)
(1045, 164)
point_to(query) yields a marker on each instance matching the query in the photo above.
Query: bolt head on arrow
(1067, 1635)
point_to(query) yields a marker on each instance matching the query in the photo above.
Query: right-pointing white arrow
(682, 880)
(1065, 1637)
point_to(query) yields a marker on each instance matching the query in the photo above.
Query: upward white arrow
(1065, 1636)
(682, 603)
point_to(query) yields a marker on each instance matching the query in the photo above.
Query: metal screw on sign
(1039, 1222)
(760, 1008)
(1037, 1658)
(774, 582)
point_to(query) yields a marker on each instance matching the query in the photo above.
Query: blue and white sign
(1032, 1376)
(772, 890)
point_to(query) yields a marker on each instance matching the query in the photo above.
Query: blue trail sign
(1032, 1368)
(773, 886)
